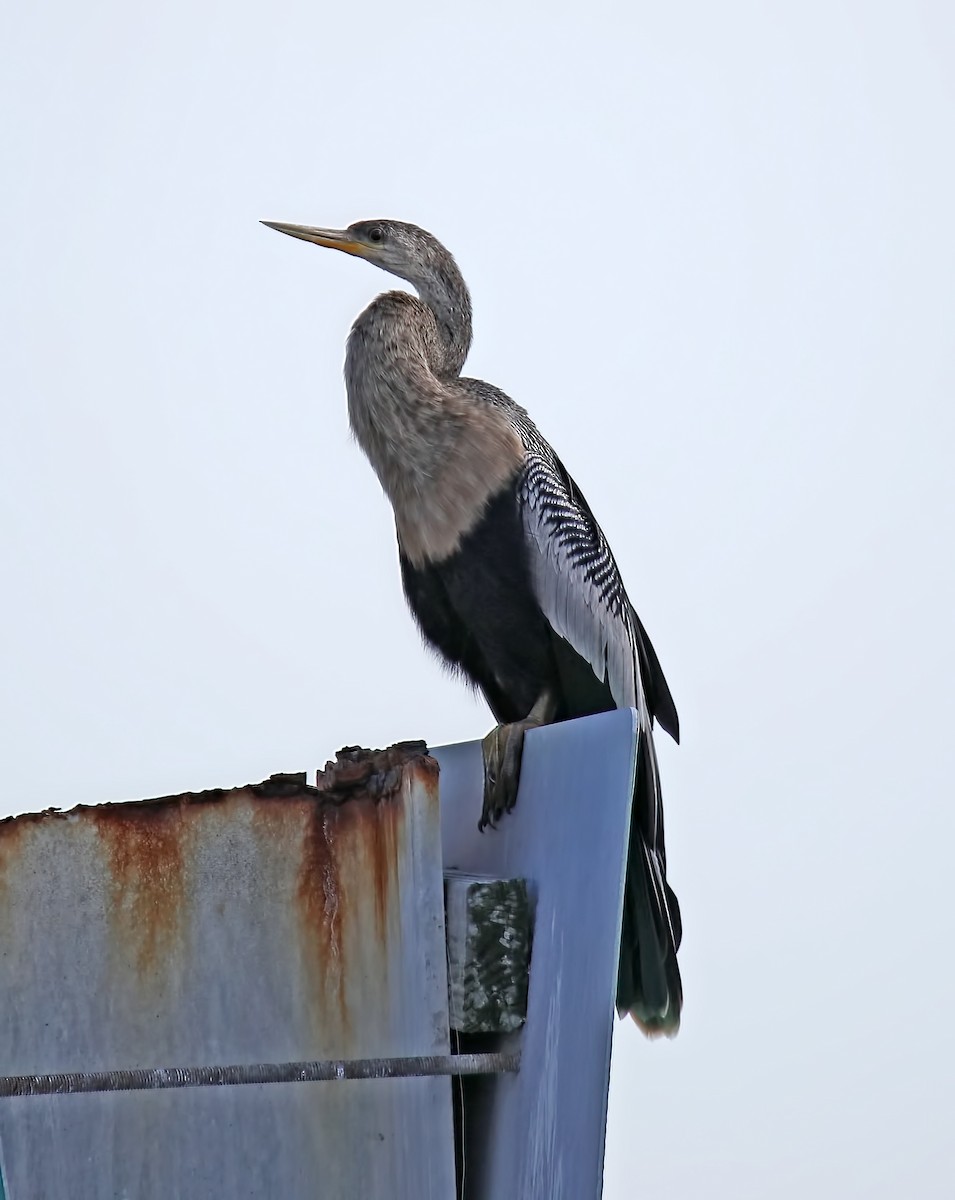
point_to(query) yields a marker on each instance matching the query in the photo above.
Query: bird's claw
(503, 749)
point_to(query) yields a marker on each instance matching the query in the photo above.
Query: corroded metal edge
(161, 1078)
(375, 774)
(356, 772)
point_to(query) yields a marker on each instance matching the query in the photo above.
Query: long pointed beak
(335, 239)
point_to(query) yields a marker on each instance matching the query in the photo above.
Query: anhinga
(504, 566)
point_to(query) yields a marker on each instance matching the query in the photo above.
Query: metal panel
(540, 1135)
(257, 925)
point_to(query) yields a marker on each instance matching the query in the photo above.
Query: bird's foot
(503, 749)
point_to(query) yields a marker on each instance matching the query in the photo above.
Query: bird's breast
(439, 457)
(477, 459)
(440, 453)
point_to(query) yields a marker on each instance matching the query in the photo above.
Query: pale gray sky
(711, 250)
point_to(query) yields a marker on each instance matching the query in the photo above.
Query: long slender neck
(403, 359)
(439, 454)
(446, 294)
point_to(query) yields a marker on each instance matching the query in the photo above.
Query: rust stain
(144, 849)
(383, 866)
(321, 915)
(349, 873)
(372, 782)
(345, 890)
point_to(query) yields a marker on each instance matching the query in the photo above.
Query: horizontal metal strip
(147, 1080)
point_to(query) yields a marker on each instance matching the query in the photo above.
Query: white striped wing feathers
(577, 583)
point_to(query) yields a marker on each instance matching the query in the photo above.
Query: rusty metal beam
(279, 923)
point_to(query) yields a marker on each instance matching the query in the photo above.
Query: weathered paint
(489, 942)
(272, 923)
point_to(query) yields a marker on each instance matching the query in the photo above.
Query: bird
(504, 567)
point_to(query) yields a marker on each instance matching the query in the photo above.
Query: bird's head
(414, 255)
(404, 250)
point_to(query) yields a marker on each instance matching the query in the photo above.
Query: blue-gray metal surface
(539, 1135)
(239, 929)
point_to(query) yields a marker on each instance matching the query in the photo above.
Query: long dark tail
(648, 981)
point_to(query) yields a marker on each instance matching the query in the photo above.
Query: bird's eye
(376, 234)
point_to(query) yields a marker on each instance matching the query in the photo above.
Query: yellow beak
(334, 239)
